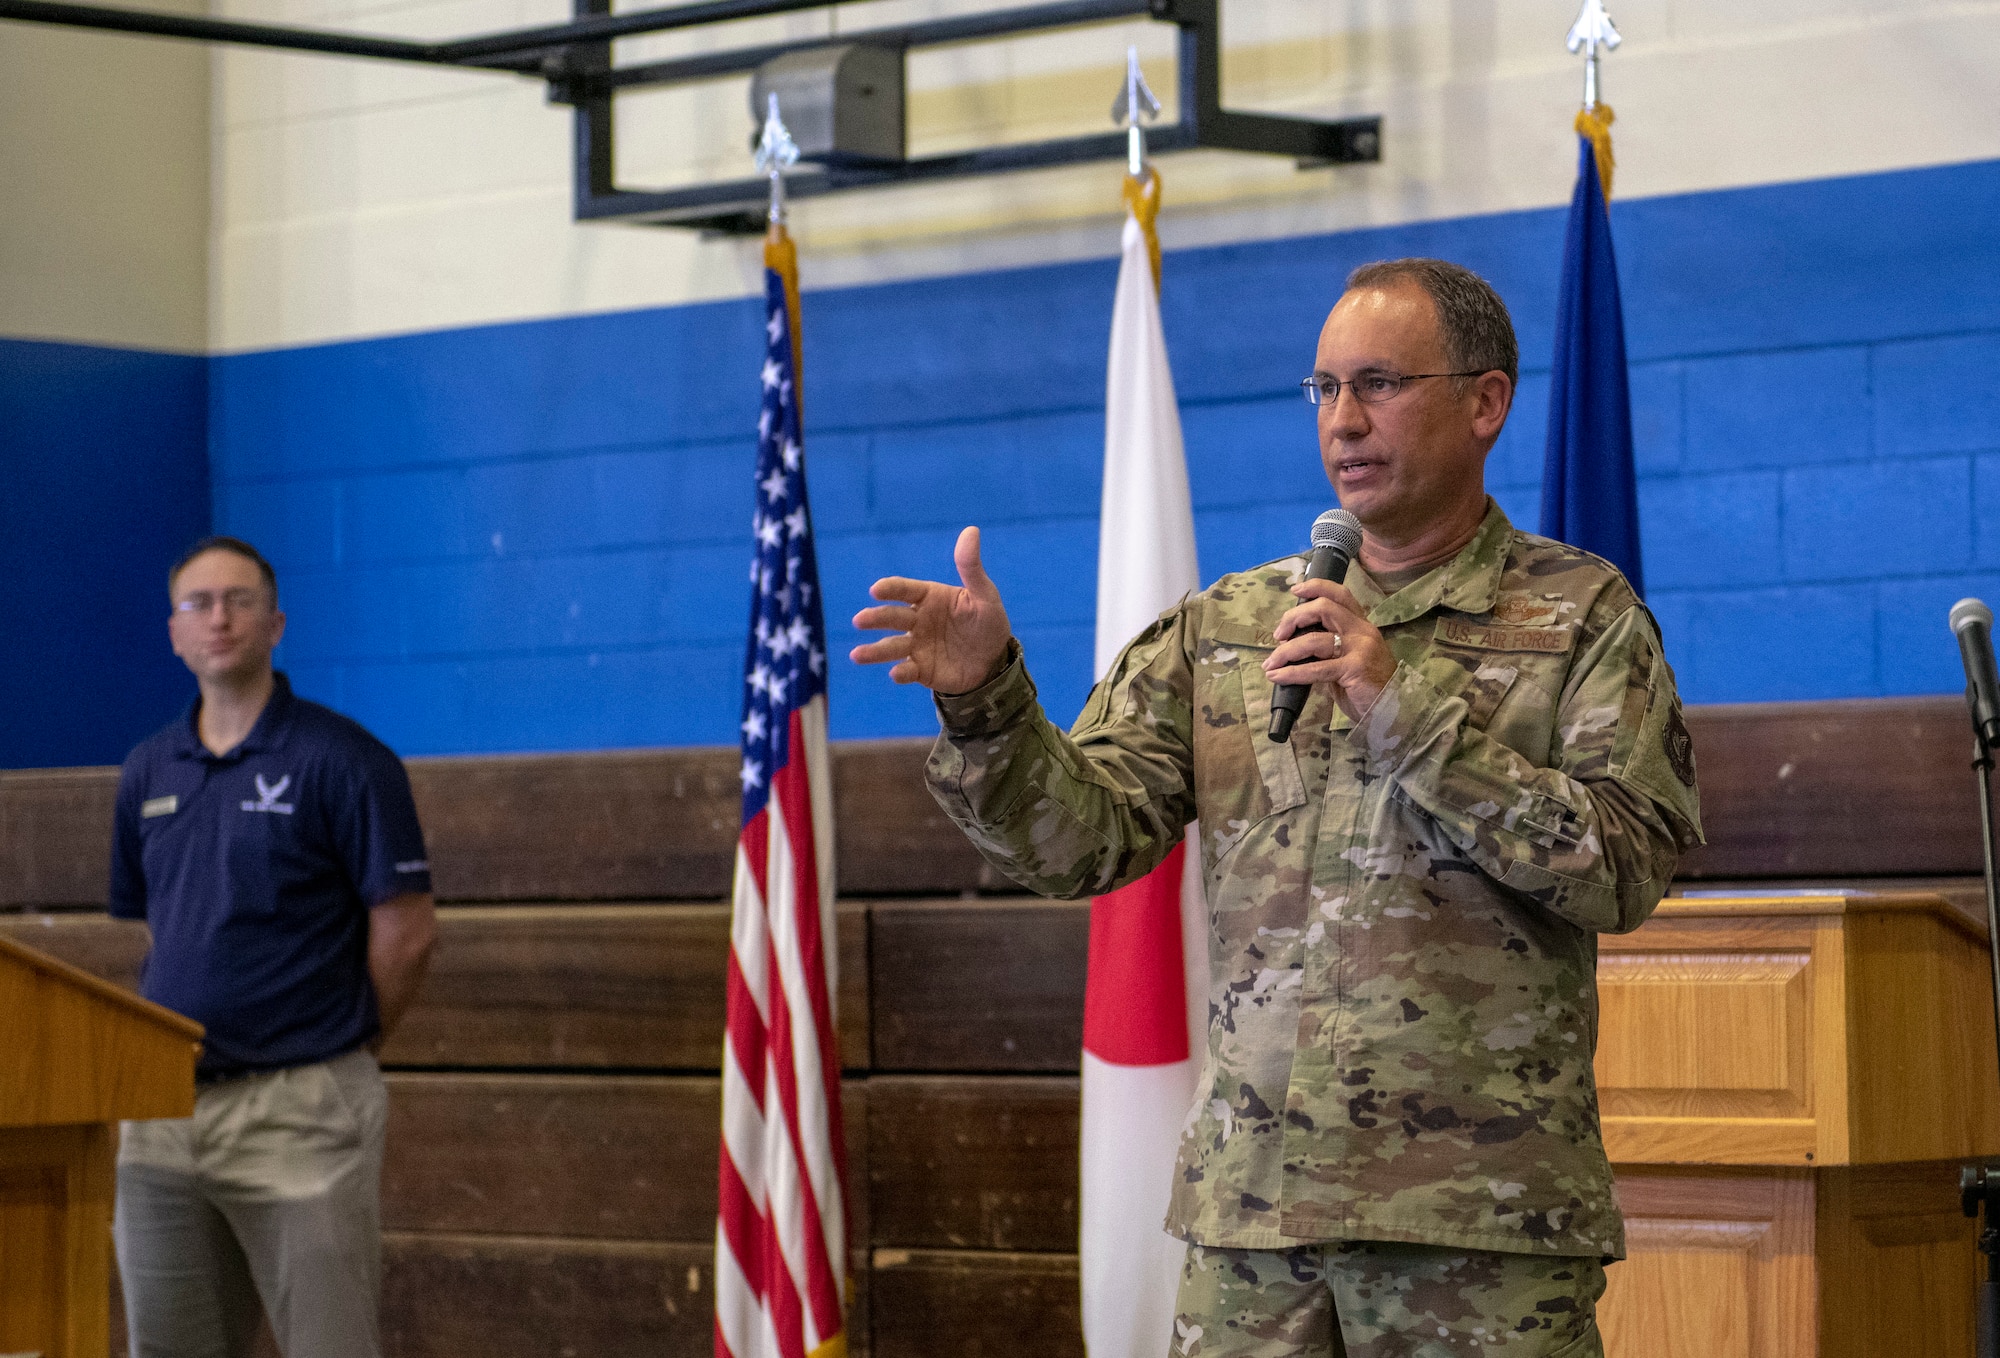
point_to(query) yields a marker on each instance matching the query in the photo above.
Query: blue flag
(1590, 493)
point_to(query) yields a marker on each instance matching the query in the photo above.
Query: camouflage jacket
(1403, 912)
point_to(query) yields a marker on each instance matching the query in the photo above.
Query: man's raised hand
(950, 638)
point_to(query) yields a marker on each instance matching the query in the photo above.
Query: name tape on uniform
(159, 806)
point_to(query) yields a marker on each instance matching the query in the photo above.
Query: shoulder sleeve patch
(1679, 746)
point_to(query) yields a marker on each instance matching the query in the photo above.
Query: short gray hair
(1478, 334)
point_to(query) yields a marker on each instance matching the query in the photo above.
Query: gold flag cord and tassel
(781, 254)
(1142, 197)
(1595, 123)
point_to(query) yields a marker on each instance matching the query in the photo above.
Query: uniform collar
(1468, 583)
(274, 723)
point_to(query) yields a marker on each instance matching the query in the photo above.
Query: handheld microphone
(1336, 537)
(1972, 621)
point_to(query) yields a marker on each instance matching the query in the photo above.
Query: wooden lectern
(76, 1055)
(1788, 1086)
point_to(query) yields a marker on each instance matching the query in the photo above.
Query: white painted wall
(104, 170)
(357, 198)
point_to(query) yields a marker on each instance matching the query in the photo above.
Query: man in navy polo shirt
(272, 847)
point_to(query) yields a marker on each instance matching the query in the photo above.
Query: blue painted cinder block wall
(533, 536)
(103, 482)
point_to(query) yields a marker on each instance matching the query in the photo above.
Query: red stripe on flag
(817, 1268)
(781, 1288)
(793, 788)
(782, 1297)
(746, 1031)
(743, 1225)
(756, 840)
(1135, 999)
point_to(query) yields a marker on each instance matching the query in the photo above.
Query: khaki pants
(1373, 1299)
(267, 1200)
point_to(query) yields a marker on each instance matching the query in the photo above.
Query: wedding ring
(1339, 643)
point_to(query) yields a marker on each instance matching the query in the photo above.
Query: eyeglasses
(230, 601)
(1370, 388)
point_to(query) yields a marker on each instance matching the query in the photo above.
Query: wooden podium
(76, 1055)
(1788, 1085)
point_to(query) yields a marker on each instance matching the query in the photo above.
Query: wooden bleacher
(551, 1177)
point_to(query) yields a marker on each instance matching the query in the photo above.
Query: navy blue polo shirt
(256, 870)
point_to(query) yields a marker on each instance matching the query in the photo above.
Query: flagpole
(1145, 993)
(782, 1230)
(1592, 31)
(1136, 103)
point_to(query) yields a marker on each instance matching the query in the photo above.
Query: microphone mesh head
(1339, 530)
(1966, 612)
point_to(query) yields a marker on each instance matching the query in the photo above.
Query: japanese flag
(1145, 1006)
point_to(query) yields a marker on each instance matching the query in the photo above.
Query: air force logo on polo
(268, 794)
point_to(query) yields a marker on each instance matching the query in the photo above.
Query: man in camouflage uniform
(1396, 1144)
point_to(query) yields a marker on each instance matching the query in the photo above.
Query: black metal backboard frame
(575, 60)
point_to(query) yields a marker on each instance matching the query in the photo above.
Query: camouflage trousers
(1374, 1299)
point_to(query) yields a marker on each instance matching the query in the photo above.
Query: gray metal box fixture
(843, 104)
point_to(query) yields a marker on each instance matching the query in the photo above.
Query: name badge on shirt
(1489, 638)
(159, 806)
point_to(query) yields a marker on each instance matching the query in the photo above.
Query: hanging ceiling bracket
(574, 60)
(736, 206)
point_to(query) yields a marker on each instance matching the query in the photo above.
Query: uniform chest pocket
(1481, 679)
(1242, 773)
(1510, 691)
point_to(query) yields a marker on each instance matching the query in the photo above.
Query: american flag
(781, 1234)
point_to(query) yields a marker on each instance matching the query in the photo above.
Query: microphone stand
(1979, 1185)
